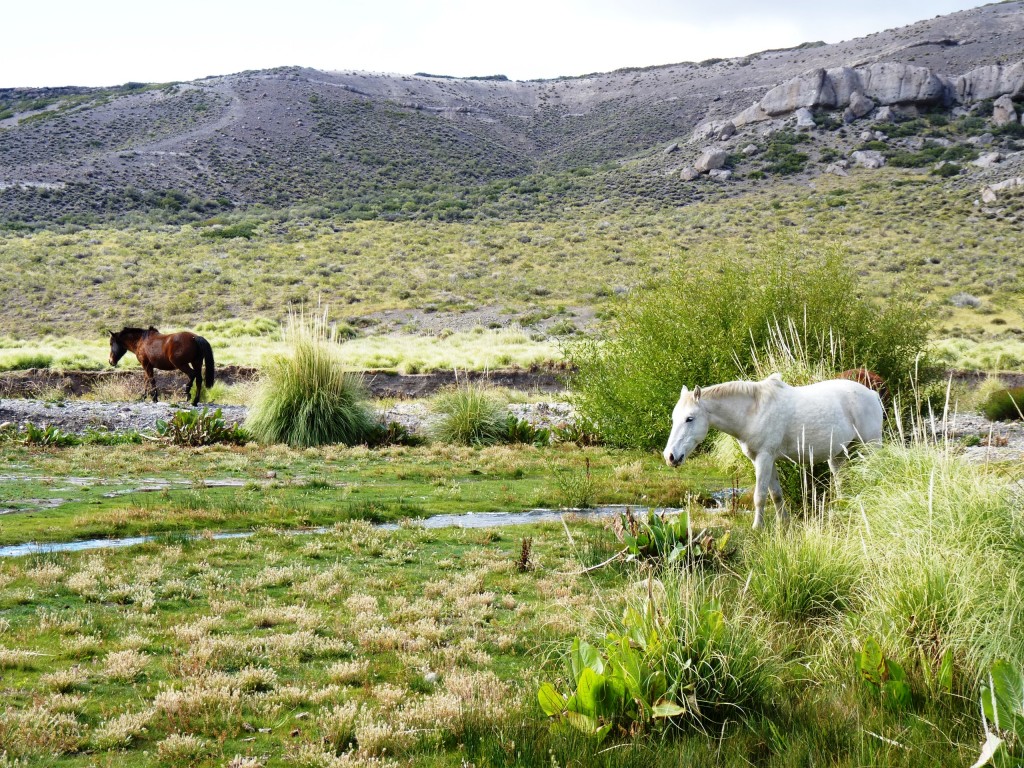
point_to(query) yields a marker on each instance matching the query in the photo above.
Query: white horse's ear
(684, 391)
(775, 377)
(696, 394)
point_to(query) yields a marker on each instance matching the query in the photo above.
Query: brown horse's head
(123, 341)
(117, 348)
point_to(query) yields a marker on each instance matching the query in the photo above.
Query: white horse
(771, 419)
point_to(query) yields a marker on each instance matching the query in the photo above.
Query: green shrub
(191, 429)
(26, 361)
(705, 321)
(469, 415)
(1005, 405)
(305, 398)
(683, 651)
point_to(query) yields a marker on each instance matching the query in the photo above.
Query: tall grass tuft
(943, 540)
(469, 415)
(804, 573)
(305, 397)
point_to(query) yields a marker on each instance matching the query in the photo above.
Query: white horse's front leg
(776, 489)
(763, 468)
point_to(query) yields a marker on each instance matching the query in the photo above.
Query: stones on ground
(719, 174)
(671, 148)
(859, 106)
(868, 158)
(884, 115)
(988, 160)
(711, 159)
(1003, 111)
(750, 149)
(990, 193)
(838, 168)
(804, 118)
(715, 130)
(982, 141)
(689, 173)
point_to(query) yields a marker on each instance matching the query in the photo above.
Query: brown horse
(185, 352)
(869, 379)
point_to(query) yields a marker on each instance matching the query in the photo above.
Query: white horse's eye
(689, 418)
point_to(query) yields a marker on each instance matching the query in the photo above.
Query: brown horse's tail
(207, 350)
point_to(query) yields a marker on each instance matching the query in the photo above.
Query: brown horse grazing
(183, 351)
(869, 379)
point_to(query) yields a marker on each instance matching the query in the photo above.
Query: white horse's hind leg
(776, 490)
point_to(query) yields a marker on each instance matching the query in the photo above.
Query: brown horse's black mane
(135, 331)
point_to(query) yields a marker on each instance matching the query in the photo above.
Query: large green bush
(706, 321)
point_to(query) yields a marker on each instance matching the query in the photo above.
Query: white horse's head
(689, 427)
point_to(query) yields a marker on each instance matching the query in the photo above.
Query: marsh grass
(469, 415)
(306, 398)
(942, 539)
(803, 573)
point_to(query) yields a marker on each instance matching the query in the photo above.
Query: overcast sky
(109, 42)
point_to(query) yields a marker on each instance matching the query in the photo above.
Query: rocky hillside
(392, 146)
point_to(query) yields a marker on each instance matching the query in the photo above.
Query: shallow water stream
(468, 520)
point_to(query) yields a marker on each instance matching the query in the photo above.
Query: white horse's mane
(759, 391)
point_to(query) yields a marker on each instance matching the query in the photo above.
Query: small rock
(860, 105)
(868, 158)
(988, 160)
(981, 141)
(302, 715)
(671, 148)
(884, 115)
(804, 118)
(689, 173)
(271, 475)
(719, 174)
(750, 149)
(430, 677)
(836, 170)
(711, 159)
(879, 136)
(866, 135)
(727, 130)
(1003, 111)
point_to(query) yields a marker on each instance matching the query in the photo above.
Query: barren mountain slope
(293, 135)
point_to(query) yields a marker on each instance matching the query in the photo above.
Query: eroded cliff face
(858, 90)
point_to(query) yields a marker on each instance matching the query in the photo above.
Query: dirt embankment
(38, 381)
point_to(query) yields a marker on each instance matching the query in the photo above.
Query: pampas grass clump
(305, 398)
(469, 415)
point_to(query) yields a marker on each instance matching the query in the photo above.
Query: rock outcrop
(858, 90)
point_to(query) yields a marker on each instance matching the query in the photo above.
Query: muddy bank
(38, 382)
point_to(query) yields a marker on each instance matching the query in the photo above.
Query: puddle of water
(468, 520)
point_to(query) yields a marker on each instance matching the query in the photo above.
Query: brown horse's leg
(150, 383)
(192, 371)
